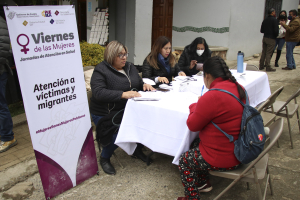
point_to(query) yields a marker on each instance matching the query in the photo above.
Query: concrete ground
(161, 179)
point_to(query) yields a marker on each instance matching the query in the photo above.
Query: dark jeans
(6, 124)
(109, 149)
(279, 42)
(267, 51)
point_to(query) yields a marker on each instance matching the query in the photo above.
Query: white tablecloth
(161, 125)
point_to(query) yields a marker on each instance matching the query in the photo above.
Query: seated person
(112, 83)
(212, 150)
(195, 53)
(159, 65)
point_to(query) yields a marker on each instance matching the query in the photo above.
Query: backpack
(251, 139)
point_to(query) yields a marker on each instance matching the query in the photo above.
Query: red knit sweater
(225, 111)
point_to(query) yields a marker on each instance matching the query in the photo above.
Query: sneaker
(206, 187)
(4, 146)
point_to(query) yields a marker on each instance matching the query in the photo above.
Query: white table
(161, 125)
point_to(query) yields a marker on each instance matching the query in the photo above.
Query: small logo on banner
(46, 13)
(25, 23)
(51, 21)
(56, 12)
(23, 45)
(260, 137)
(11, 15)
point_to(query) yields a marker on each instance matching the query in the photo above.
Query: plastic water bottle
(240, 61)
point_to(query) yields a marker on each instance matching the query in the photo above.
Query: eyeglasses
(123, 55)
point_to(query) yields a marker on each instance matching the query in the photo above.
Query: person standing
(280, 40)
(292, 37)
(270, 29)
(7, 139)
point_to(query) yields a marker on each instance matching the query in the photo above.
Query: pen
(202, 90)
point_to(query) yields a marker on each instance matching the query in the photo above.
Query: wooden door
(162, 19)
(276, 4)
(81, 20)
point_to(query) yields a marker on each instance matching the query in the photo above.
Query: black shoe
(276, 64)
(269, 69)
(138, 153)
(261, 68)
(107, 166)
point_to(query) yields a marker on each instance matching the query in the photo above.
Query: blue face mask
(290, 17)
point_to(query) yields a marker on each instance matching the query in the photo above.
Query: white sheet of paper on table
(165, 86)
(148, 81)
(149, 96)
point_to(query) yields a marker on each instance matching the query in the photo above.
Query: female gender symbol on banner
(24, 46)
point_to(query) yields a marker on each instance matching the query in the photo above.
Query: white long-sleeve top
(282, 30)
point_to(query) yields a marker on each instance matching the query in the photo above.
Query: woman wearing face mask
(159, 65)
(280, 40)
(195, 53)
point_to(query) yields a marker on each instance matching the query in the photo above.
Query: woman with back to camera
(112, 84)
(193, 56)
(159, 65)
(212, 150)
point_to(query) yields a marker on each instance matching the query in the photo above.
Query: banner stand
(47, 55)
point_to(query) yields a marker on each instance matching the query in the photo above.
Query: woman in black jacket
(112, 84)
(159, 65)
(196, 52)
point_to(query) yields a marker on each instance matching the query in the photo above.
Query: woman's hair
(282, 17)
(281, 14)
(156, 49)
(282, 11)
(193, 47)
(112, 50)
(216, 67)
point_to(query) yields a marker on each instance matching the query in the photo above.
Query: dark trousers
(6, 124)
(108, 150)
(268, 45)
(194, 170)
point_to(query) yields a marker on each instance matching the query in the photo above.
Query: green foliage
(91, 54)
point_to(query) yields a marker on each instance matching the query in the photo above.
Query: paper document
(149, 96)
(148, 81)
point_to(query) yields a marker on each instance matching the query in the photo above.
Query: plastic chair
(256, 170)
(267, 117)
(287, 110)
